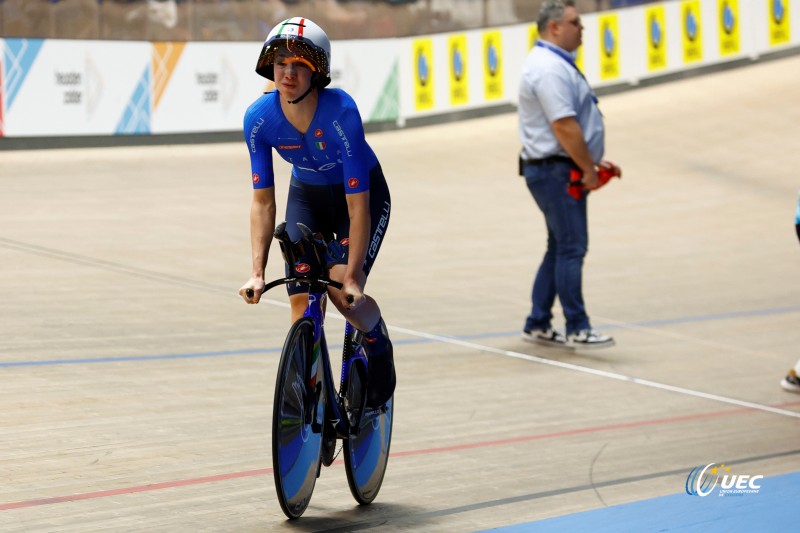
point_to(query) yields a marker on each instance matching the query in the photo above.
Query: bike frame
(329, 413)
(321, 371)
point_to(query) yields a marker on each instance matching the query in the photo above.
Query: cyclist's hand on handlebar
(353, 294)
(251, 291)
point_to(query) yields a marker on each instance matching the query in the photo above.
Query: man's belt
(550, 159)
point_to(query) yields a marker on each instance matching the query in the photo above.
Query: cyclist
(337, 187)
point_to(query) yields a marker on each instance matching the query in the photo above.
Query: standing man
(562, 136)
(791, 382)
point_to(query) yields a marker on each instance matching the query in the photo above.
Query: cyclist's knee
(336, 272)
(363, 317)
(298, 303)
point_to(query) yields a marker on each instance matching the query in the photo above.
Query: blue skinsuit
(330, 160)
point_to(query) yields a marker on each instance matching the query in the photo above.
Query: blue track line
(495, 334)
(125, 359)
(710, 318)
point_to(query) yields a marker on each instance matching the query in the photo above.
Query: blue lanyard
(568, 58)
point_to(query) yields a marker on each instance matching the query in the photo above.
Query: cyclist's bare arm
(262, 226)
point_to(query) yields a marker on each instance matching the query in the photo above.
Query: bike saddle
(305, 256)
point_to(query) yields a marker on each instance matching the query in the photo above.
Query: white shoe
(548, 337)
(791, 383)
(589, 338)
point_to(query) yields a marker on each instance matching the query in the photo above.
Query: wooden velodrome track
(137, 387)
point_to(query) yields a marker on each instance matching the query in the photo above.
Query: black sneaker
(546, 337)
(589, 338)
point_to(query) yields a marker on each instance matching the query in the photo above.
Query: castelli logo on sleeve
(318, 133)
(302, 268)
(345, 241)
(352, 183)
(256, 178)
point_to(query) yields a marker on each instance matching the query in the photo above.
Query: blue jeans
(560, 273)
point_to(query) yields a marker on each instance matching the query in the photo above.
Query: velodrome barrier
(54, 88)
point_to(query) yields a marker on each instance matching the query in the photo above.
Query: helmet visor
(291, 51)
(296, 59)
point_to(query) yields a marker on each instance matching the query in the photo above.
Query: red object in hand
(575, 187)
(604, 175)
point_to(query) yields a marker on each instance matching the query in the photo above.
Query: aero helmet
(307, 39)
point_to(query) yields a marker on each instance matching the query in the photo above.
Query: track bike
(309, 414)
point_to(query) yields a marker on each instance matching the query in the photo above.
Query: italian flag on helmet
(303, 37)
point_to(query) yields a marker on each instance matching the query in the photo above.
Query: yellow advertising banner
(728, 27)
(492, 65)
(423, 74)
(609, 46)
(533, 35)
(778, 22)
(692, 34)
(459, 70)
(656, 21)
